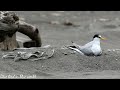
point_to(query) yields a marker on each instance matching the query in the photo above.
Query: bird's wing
(88, 45)
(86, 49)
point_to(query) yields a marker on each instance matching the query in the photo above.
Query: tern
(92, 48)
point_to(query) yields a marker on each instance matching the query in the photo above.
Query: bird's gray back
(86, 49)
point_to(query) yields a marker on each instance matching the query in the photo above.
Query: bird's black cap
(96, 35)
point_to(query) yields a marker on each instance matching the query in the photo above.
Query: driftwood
(9, 25)
(8, 36)
(32, 32)
(8, 30)
(34, 55)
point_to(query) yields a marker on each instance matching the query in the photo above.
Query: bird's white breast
(96, 49)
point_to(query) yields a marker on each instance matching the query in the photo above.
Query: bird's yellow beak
(103, 38)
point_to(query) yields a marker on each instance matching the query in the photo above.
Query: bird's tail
(75, 49)
(76, 45)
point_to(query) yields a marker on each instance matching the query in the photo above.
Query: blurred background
(53, 32)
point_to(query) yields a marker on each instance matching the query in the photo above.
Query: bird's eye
(100, 36)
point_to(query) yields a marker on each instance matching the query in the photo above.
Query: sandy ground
(70, 66)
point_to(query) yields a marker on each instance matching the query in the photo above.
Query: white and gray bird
(92, 48)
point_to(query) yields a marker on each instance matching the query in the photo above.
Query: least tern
(92, 48)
